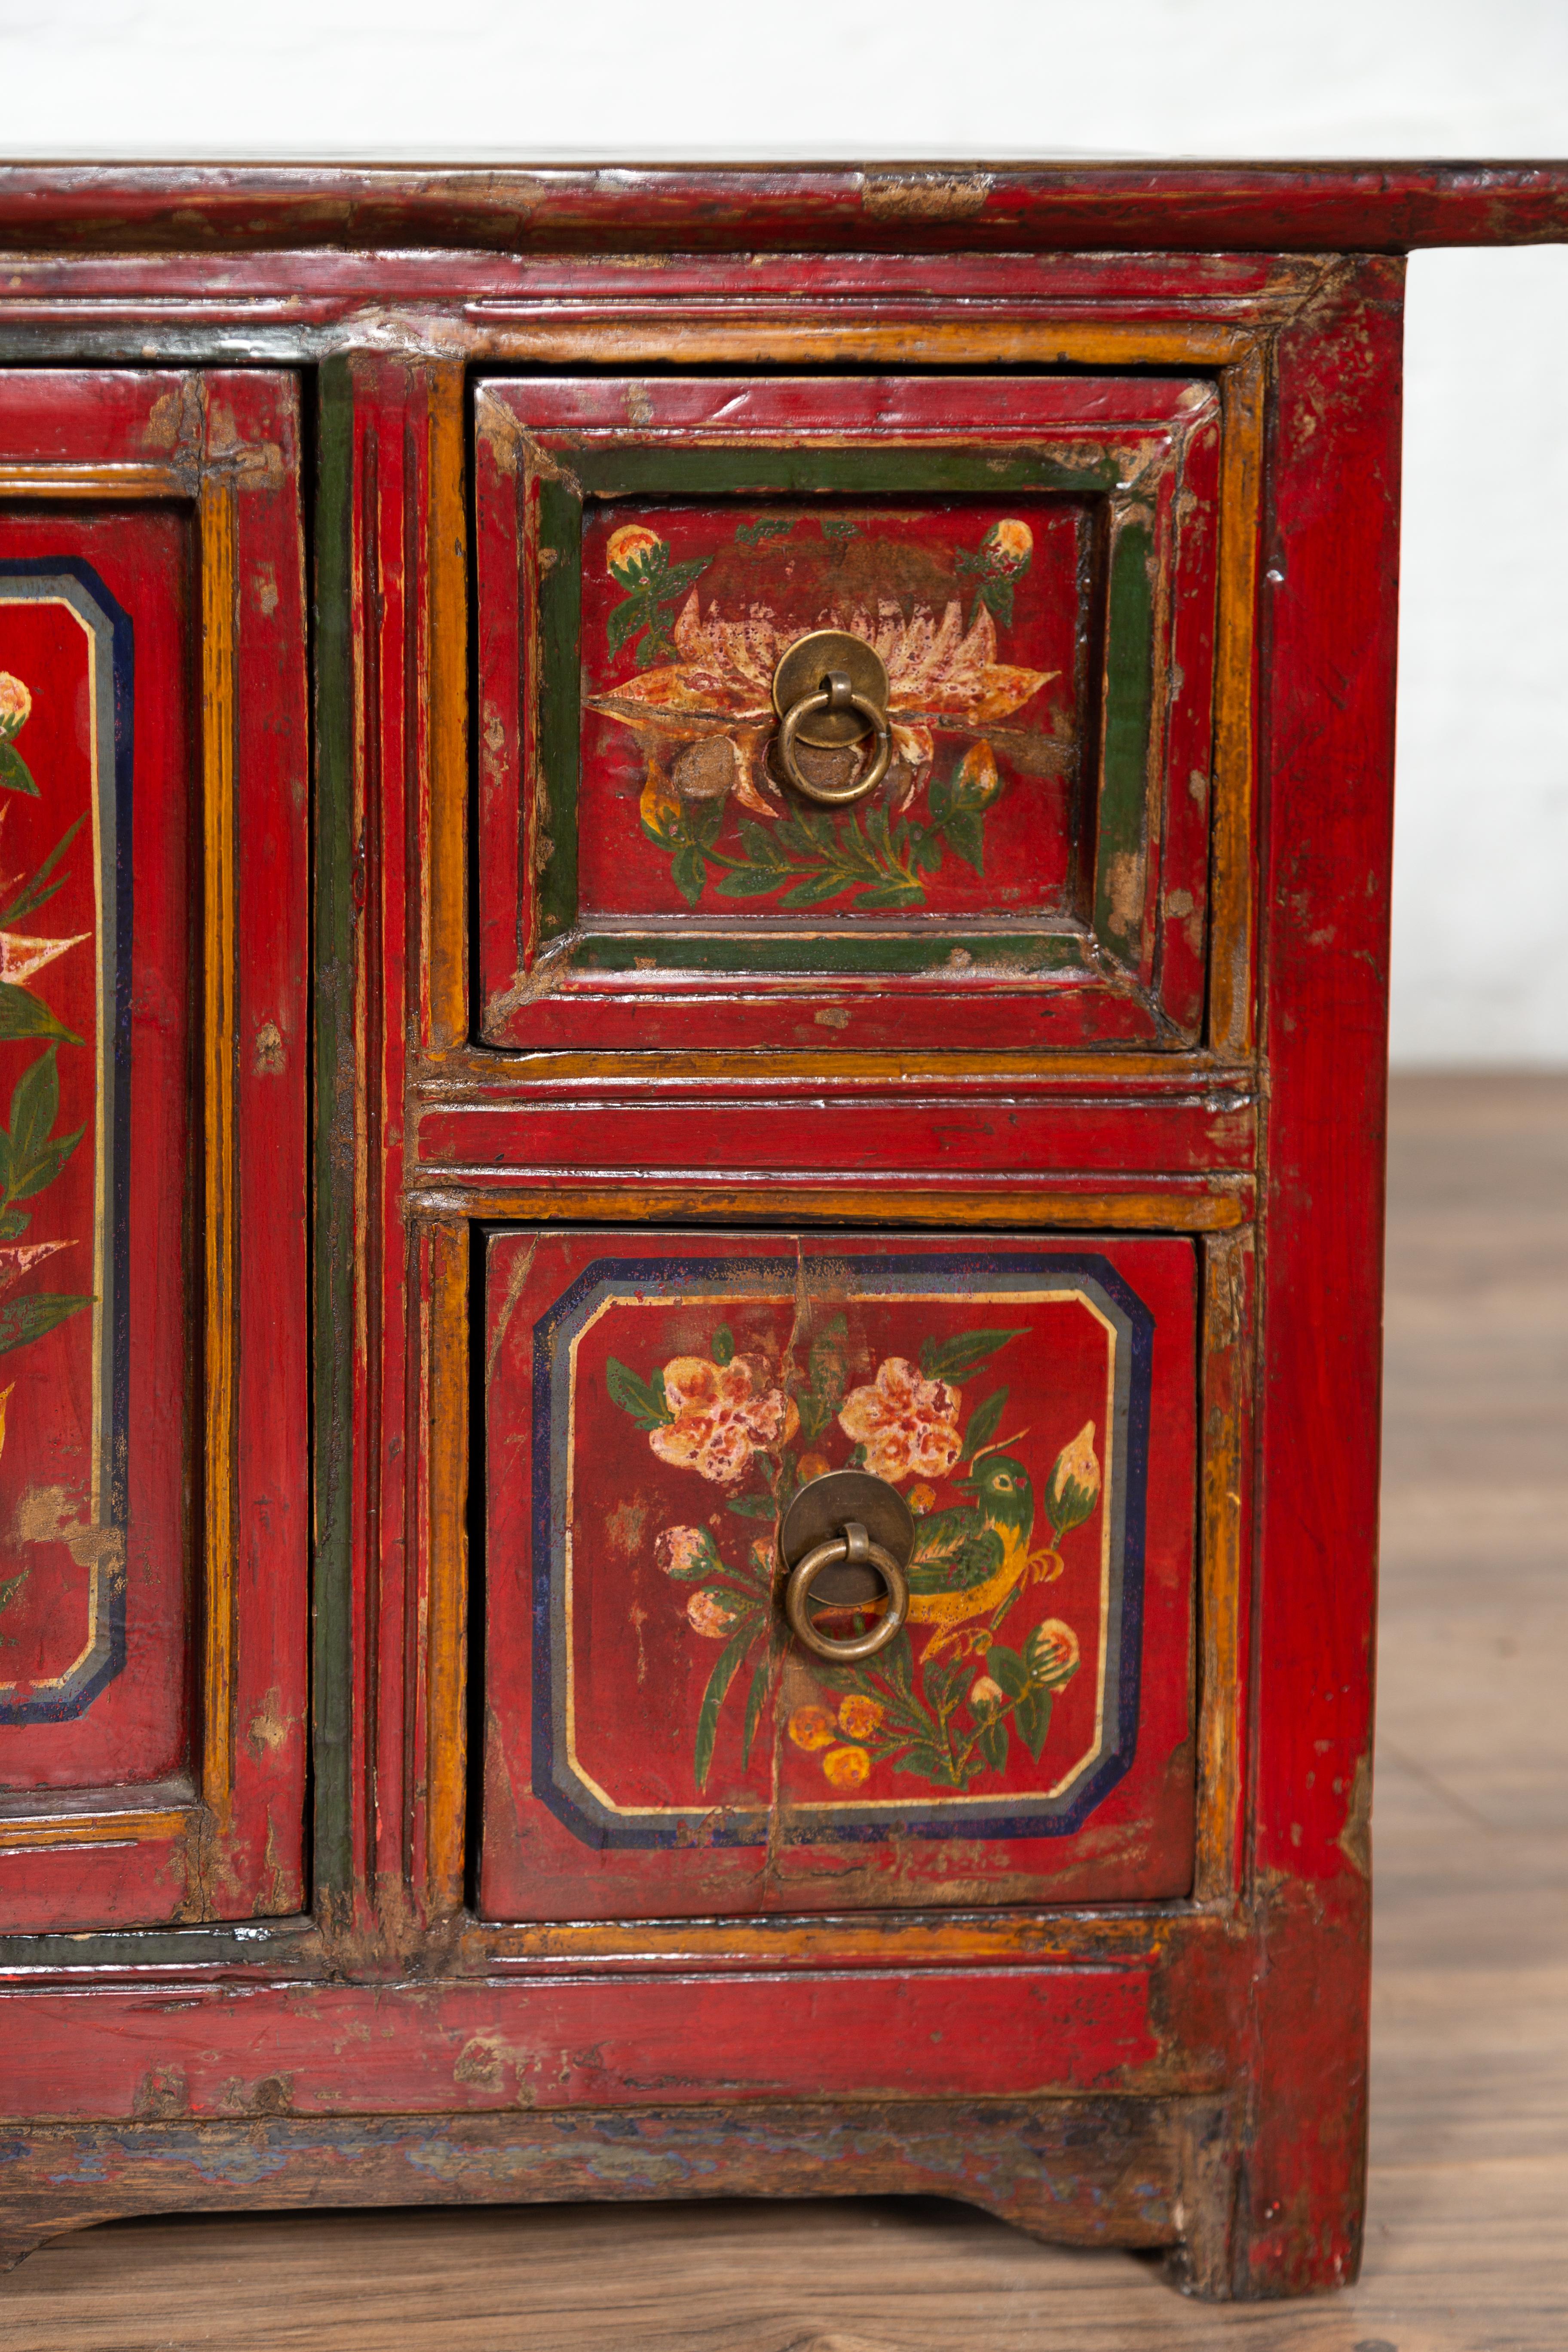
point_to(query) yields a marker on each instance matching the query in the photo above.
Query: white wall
(1482, 883)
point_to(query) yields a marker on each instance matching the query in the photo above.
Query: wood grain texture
(1285, 206)
(1470, 2150)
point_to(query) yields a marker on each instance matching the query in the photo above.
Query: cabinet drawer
(1031, 560)
(152, 1072)
(657, 1743)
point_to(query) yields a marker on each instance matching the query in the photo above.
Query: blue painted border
(554, 1779)
(107, 1657)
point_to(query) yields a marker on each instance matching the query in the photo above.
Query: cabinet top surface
(1290, 206)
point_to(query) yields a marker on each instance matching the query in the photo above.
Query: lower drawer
(657, 1744)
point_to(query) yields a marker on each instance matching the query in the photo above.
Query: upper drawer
(1032, 561)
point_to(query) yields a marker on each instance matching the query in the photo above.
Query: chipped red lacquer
(138, 1789)
(1175, 2059)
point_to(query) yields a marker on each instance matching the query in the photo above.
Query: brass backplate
(802, 669)
(822, 1509)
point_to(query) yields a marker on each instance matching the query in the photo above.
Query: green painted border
(673, 944)
(793, 953)
(1123, 828)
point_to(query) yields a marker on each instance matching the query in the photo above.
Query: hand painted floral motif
(31, 1154)
(905, 1425)
(947, 1697)
(717, 1415)
(704, 720)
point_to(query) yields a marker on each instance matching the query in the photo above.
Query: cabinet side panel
(1330, 569)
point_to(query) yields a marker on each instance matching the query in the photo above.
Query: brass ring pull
(831, 689)
(853, 1546)
(836, 694)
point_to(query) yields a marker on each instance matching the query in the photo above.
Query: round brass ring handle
(835, 694)
(855, 1545)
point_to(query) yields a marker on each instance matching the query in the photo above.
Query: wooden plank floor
(1468, 2237)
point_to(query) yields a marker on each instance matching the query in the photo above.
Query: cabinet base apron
(1079, 2173)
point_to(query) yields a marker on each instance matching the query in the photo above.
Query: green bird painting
(970, 1563)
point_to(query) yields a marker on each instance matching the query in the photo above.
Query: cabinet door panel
(656, 1742)
(152, 1164)
(1033, 560)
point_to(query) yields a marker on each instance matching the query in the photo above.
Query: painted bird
(967, 1563)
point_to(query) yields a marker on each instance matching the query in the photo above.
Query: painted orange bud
(860, 1717)
(1051, 1654)
(985, 1693)
(1073, 1488)
(632, 546)
(846, 1767)
(1010, 544)
(707, 1615)
(660, 808)
(813, 1465)
(922, 1497)
(16, 703)
(813, 1726)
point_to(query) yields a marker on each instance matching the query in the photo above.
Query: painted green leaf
(955, 1359)
(927, 1762)
(11, 1587)
(644, 1404)
(637, 612)
(38, 888)
(15, 773)
(828, 1362)
(814, 891)
(754, 1698)
(751, 1506)
(983, 1423)
(752, 881)
(730, 1661)
(815, 1415)
(47, 1166)
(688, 872)
(1032, 1718)
(22, 1015)
(12, 1223)
(751, 534)
(35, 1106)
(678, 577)
(965, 836)
(22, 1320)
(1008, 1669)
(723, 1344)
(898, 897)
(992, 1746)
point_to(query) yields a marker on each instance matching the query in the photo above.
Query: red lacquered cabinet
(693, 902)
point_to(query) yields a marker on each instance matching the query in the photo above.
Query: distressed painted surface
(1093, 207)
(150, 1572)
(685, 2041)
(976, 614)
(66, 668)
(1077, 2171)
(1011, 1114)
(1038, 570)
(651, 1405)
